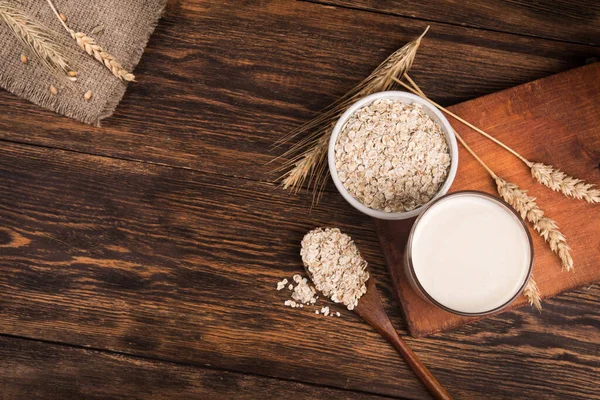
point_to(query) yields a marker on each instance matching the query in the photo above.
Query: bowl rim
(415, 279)
(408, 98)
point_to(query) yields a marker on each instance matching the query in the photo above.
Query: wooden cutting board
(555, 120)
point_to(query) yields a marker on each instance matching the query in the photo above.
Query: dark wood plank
(568, 20)
(219, 83)
(35, 370)
(180, 265)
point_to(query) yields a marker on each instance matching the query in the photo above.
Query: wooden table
(139, 260)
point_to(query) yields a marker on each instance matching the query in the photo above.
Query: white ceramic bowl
(407, 98)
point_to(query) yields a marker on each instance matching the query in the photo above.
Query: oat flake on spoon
(336, 266)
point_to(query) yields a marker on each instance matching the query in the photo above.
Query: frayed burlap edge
(46, 100)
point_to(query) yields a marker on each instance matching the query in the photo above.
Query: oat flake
(337, 268)
(281, 285)
(304, 293)
(391, 156)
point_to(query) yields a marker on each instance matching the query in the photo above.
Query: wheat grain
(89, 45)
(36, 37)
(306, 158)
(53, 90)
(97, 30)
(23, 58)
(88, 95)
(560, 182)
(546, 227)
(532, 293)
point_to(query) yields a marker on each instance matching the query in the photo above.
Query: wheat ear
(89, 45)
(306, 161)
(560, 182)
(532, 293)
(520, 201)
(314, 156)
(547, 175)
(546, 227)
(40, 40)
(527, 207)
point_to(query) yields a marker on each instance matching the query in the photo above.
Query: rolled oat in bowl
(391, 156)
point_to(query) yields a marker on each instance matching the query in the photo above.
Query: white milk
(470, 253)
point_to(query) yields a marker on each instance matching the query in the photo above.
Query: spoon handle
(434, 387)
(370, 308)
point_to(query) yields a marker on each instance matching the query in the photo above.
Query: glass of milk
(469, 253)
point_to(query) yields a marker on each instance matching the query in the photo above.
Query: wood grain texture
(35, 370)
(554, 120)
(219, 83)
(567, 20)
(371, 310)
(179, 265)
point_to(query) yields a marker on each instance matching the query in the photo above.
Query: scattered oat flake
(291, 303)
(391, 156)
(303, 292)
(338, 314)
(88, 95)
(23, 58)
(53, 90)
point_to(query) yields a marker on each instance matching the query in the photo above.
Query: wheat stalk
(89, 45)
(40, 40)
(532, 293)
(560, 182)
(527, 207)
(306, 159)
(303, 165)
(547, 175)
(520, 201)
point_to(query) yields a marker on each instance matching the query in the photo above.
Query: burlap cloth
(127, 24)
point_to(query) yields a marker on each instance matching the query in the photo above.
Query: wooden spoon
(370, 308)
